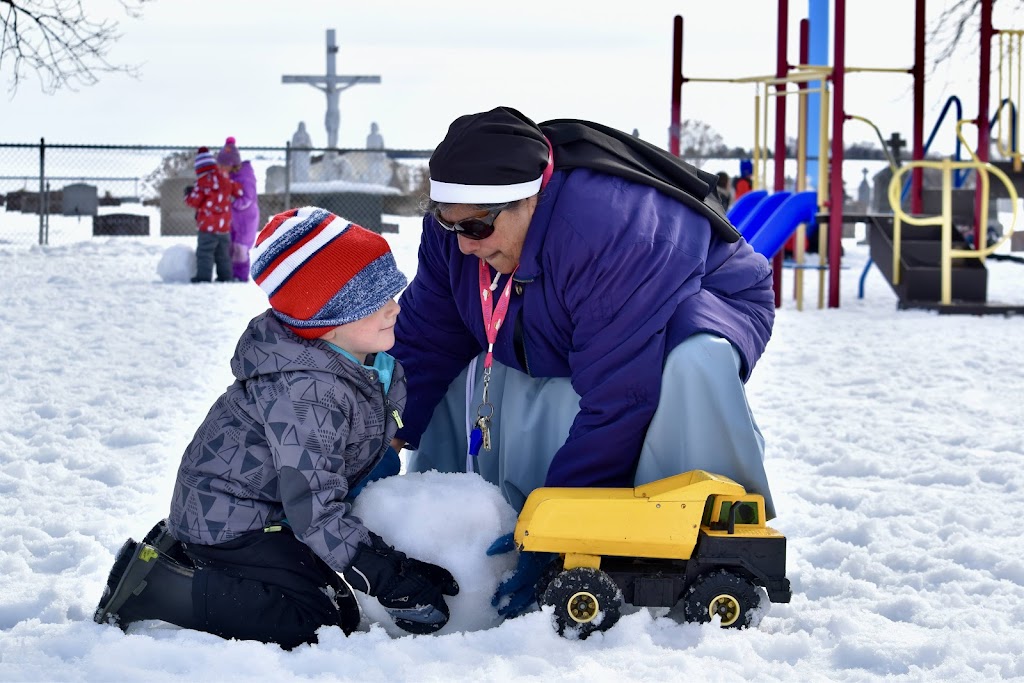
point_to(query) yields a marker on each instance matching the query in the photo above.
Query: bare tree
(957, 22)
(173, 165)
(700, 142)
(59, 42)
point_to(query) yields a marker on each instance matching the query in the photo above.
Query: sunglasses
(471, 228)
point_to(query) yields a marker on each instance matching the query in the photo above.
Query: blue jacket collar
(530, 260)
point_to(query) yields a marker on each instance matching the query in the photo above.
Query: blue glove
(517, 593)
(390, 464)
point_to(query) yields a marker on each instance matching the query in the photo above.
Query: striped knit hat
(321, 271)
(204, 161)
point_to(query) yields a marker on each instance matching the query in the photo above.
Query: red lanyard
(493, 311)
(494, 315)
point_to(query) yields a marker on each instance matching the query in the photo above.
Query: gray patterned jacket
(300, 424)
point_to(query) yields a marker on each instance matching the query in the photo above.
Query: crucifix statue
(331, 85)
(896, 143)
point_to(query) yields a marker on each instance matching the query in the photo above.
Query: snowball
(449, 520)
(177, 264)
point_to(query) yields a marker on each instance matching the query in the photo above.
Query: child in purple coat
(245, 210)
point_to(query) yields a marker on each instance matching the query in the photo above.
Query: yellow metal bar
(854, 69)
(999, 80)
(963, 141)
(888, 157)
(783, 93)
(982, 177)
(1020, 61)
(778, 80)
(764, 156)
(820, 68)
(1010, 55)
(897, 245)
(946, 219)
(769, 80)
(801, 185)
(877, 70)
(757, 137)
(823, 158)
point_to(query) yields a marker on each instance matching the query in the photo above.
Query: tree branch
(58, 42)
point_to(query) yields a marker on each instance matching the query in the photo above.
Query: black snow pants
(214, 248)
(268, 586)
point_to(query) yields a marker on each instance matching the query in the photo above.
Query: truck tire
(585, 600)
(729, 596)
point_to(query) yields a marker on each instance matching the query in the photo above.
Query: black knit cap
(488, 158)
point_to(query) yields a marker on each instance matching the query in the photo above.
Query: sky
(893, 448)
(208, 70)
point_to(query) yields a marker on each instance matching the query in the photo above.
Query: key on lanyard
(481, 434)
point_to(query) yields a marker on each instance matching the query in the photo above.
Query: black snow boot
(160, 538)
(143, 584)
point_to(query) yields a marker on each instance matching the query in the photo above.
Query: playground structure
(929, 265)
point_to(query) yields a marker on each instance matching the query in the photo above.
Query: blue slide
(744, 205)
(764, 209)
(798, 208)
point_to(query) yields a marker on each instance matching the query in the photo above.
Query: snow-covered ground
(894, 446)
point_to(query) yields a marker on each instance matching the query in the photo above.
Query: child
(744, 182)
(211, 197)
(260, 519)
(245, 210)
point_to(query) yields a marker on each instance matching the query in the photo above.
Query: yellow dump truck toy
(697, 540)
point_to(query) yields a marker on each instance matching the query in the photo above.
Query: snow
(343, 186)
(894, 448)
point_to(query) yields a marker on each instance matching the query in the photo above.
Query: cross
(331, 85)
(896, 143)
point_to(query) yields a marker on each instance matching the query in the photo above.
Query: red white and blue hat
(204, 161)
(321, 271)
(492, 157)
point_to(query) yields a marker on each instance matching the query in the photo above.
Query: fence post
(46, 215)
(287, 175)
(42, 181)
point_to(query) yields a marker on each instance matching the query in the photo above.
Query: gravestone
(80, 199)
(118, 224)
(864, 192)
(363, 208)
(176, 217)
(28, 202)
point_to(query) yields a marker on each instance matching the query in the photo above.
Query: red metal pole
(984, 76)
(677, 85)
(805, 58)
(781, 69)
(805, 51)
(835, 209)
(917, 175)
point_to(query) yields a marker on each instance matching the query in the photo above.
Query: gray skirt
(703, 422)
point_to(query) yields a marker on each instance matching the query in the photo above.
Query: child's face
(375, 332)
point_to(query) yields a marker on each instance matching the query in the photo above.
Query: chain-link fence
(57, 194)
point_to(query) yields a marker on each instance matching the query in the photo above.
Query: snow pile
(457, 517)
(177, 264)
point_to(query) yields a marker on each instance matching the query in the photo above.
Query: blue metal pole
(818, 13)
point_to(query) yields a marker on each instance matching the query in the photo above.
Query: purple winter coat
(613, 275)
(245, 211)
